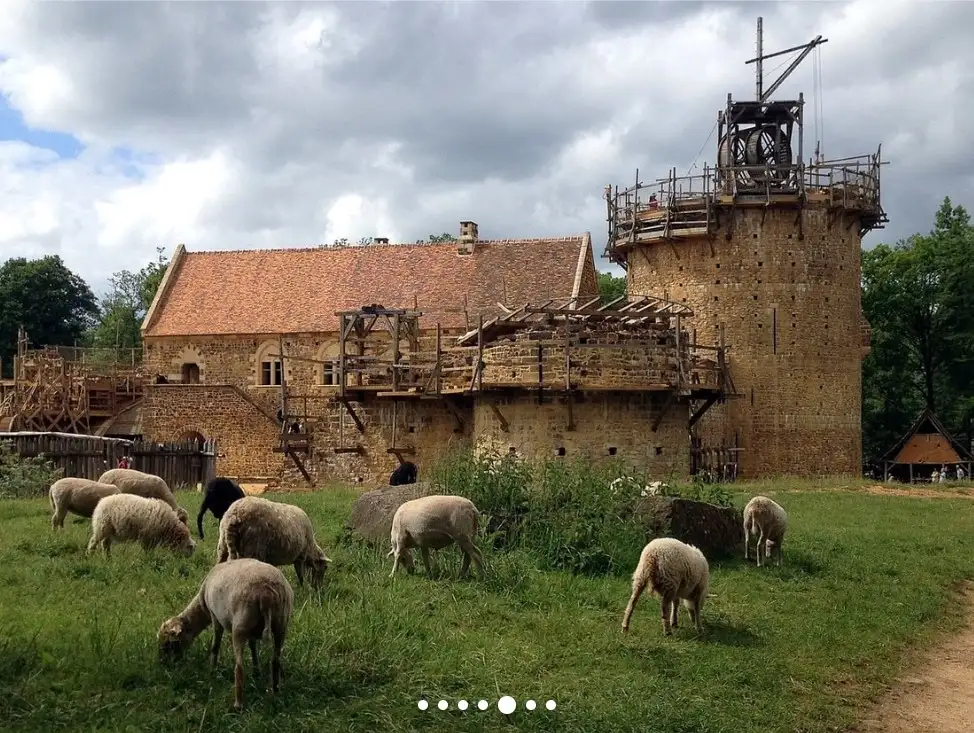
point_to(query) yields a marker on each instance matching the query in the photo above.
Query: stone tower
(765, 248)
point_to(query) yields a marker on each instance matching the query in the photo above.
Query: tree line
(917, 294)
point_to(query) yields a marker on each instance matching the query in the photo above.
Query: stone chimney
(381, 240)
(468, 237)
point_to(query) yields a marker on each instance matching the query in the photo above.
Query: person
(943, 474)
(960, 472)
(125, 462)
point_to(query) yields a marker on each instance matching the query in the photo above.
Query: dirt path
(959, 493)
(937, 696)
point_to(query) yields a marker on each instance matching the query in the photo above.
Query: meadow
(803, 647)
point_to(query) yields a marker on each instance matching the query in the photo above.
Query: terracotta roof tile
(299, 290)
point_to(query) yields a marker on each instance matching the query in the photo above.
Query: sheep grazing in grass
(78, 496)
(675, 571)
(147, 485)
(768, 521)
(220, 493)
(250, 599)
(273, 532)
(132, 518)
(431, 523)
(405, 473)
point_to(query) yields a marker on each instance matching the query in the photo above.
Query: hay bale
(372, 512)
(716, 530)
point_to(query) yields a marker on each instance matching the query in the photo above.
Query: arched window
(191, 373)
(269, 370)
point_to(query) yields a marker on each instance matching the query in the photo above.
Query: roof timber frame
(625, 311)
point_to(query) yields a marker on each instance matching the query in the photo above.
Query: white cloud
(291, 124)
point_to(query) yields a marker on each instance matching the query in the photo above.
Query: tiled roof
(299, 290)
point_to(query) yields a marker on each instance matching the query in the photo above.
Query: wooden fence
(185, 463)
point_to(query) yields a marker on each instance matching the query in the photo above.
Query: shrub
(25, 478)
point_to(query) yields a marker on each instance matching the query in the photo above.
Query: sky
(127, 126)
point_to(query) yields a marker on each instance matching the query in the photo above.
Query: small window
(561, 452)
(329, 373)
(612, 450)
(270, 372)
(190, 374)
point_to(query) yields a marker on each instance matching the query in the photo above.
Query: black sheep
(221, 492)
(405, 473)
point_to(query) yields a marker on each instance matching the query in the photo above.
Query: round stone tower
(766, 251)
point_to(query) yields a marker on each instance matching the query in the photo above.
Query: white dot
(482, 704)
(550, 705)
(530, 704)
(506, 704)
(462, 704)
(423, 704)
(442, 704)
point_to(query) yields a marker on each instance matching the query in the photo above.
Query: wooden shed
(924, 449)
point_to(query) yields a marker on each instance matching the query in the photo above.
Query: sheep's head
(769, 546)
(317, 565)
(183, 516)
(174, 636)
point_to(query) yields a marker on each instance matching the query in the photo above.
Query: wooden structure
(384, 355)
(186, 464)
(69, 389)
(925, 448)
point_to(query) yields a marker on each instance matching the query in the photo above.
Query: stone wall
(607, 426)
(794, 327)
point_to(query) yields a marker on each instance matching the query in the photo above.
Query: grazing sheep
(148, 485)
(768, 521)
(220, 493)
(273, 532)
(76, 495)
(675, 571)
(250, 599)
(405, 473)
(431, 523)
(132, 518)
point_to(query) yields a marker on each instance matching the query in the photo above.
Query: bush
(568, 515)
(25, 478)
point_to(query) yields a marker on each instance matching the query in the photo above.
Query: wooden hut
(925, 449)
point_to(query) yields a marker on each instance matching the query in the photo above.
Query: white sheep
(768, 521)
(132, 518)
(274, 532)
(148, 485)
(78, 496)
(250, 599)
(676, 572)
(431, 523)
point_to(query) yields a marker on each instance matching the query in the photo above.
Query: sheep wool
(148, 485)
(131, 518)
(250, 599)
(273, 532)
(768, 521)
(431, 523)
(675, 571)
(78, 496)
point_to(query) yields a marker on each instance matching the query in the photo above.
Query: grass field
(797, 648)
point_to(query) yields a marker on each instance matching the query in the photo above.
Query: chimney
(381, 240)
(468, 237)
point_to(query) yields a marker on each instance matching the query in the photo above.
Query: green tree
(917, 297)
(444, 237)
(611, 286)
(52, 303)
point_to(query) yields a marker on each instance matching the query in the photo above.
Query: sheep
(76, 495)
(676, 572)
(273, 532)
(148, 485)
(431, 523)
(250, 599)
(129, 517)
(405, 473)
(220, 493)
(768, 521)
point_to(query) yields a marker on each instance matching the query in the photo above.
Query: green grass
(792, 649)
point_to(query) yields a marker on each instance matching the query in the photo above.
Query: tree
(124, 308)
(611, 287)
(444, 237)
(52, 303)
(918, 297)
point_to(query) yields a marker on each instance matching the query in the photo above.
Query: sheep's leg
(637, 589)
(299, 571)
(253, 655)
(276, 662)
(238, 670)
(217, 640)
(695, 605)
(675, 613)
(57, 521)
(747, 538)
(471, 551)
(395, 563)
(92, 543)
(665, 605)
(425, 553)
(107, 545)
(762, 548)
(777, 549)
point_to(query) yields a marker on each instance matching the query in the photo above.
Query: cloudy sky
(130, 125)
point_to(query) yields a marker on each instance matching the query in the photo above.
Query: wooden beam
(455, 411)
(300, 465)
(667, 404)
(699, 413)
(348, 406)
(500, 416)
(352, 449)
